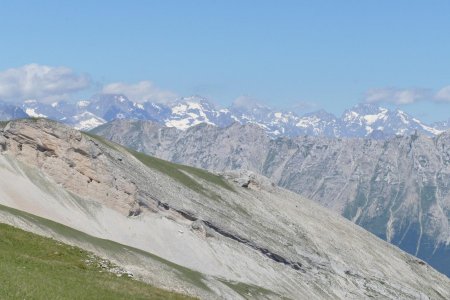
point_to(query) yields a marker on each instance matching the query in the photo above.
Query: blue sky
(304, 54)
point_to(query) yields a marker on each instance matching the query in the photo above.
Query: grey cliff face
(399, 189)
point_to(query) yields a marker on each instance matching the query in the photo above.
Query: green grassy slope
(35, 267)
(104, 246)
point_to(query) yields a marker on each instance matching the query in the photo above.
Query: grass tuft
(249, 291)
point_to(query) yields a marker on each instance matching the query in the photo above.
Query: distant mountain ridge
(10, 112)
(363, 120)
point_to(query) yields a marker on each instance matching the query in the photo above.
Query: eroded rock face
(398, 188)
(241, 230)
(70, 158)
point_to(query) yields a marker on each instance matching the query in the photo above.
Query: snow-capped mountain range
(363, 120)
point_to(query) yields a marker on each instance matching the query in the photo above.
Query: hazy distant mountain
(10, 112)
(364, 120)
(397, 188)
(443, 125)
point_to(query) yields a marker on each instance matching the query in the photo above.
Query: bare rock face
(230, 237)
(249, 180)
(71, 159)
(397, 189)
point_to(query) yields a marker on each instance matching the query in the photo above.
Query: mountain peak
(367, 109)
(194, 99)
(322, 114)
(121, 98)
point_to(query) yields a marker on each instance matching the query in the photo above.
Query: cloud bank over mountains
(444, 94)
(140, 92)
(400, 96)
(41, 82)
(50, 84)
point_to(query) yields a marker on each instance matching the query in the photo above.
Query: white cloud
(407, 96)
(40, 82)
(443, 94)
(244, 101)
(396, 95)
(302, 106)
(140, 92)
(247, 102)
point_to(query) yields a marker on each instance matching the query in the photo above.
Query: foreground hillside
(398, 189)
(184, 229)
(35, 267)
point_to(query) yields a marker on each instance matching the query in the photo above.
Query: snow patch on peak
(87, 121)
(403, 117)
(156, 106)
(306, 122)
(369, 129)
(138, 105)
(89, 124)
(351, 115)
(83, 103)
(194, 105)
(280, 117)
(370, 119)
(428, 128)
(32, 113)
(187, 108)
(182, 108)
(185, 123)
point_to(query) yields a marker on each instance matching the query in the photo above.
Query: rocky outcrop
(72, 159)
(249, 180)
